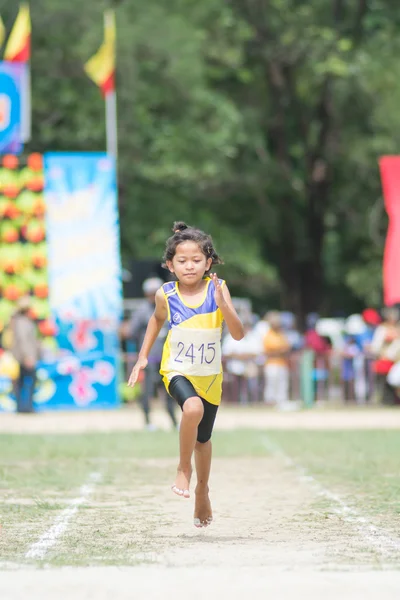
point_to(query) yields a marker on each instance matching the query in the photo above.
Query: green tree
(315, 129)
(259, 120)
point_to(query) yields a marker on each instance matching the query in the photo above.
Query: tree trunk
(302, 285)
(301, 272)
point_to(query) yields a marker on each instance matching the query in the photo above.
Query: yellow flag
(18, 47)
(101, 67)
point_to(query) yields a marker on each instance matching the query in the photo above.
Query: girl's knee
(193, 408)
(203, 441)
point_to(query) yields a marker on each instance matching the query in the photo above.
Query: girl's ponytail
(179, 226)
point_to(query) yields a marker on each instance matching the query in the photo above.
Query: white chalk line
(40, 548)
(376, 537)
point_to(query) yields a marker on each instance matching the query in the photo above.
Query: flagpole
(111, 96)
(26, 122)
(111, 123)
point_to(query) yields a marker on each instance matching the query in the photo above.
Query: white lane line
(50, 537)
(376, 537)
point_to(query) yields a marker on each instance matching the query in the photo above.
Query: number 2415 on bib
(201, 354)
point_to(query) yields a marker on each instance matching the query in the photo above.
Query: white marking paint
(40, 548)
(377, 538)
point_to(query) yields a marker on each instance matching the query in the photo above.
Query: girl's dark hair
(186, 233)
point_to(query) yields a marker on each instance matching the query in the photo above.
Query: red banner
(390, 174)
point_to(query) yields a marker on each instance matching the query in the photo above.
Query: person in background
(260, 329)
(354, 378)
(312, 339)
(350, 353)
(276, 348)
(296, 342)
(241, 363)
(383, 338)
(393, 377)
(291, 331)
(25, 348)
(372, 320)
(321, 347)
(135, 330)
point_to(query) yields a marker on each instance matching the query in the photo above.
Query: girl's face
(189, 263)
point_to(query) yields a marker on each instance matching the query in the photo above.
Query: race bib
(195, 351)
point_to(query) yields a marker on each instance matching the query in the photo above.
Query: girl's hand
(219, 296)
(140, 365)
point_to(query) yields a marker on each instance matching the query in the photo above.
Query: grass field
(325, 501)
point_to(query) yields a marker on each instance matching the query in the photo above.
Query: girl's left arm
(224, 301)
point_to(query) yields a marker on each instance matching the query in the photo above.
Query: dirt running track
(269, 539)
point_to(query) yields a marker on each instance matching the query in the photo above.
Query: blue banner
(11, 77)
(83, 374)
(83, 236)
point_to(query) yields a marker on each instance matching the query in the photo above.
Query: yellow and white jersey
(193, 344)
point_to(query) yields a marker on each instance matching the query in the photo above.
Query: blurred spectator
(25, 348)
(241, 363)
(289, 328)
(351, 352)
(321, 347)
(371, 319)
(260, 329)
(312, 339)
(277, 349)
(393, 377)
(382, 341)
(331, 329)
(353, 361)
(135, 329)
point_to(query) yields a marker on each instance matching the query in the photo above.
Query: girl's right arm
(154, 326)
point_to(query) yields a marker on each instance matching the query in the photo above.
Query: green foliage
(261, 122)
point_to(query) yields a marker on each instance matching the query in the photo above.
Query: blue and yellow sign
(11, 75)
(83, 236)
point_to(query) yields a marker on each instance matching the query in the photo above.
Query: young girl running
(196, 306)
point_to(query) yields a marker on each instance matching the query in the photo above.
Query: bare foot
(182, 482)
(202, 509)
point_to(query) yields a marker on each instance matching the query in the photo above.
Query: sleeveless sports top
(193, 344)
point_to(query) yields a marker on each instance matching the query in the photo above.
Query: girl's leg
(203, 452)
(202, 455)
(202, 510)
(193, 411)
